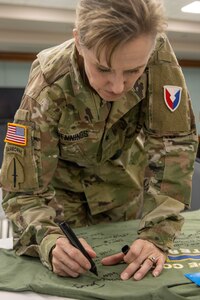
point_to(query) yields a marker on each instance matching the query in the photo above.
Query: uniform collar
(128, 101)
(77, 80)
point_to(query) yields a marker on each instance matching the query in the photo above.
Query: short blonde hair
(109, 23)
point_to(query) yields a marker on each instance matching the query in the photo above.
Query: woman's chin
(109, 96)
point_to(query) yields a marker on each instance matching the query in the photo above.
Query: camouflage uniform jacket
(88, 161)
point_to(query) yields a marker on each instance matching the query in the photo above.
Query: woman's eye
(136, 71)
(103, 70)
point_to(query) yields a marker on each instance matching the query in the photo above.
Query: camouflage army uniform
(89, 161)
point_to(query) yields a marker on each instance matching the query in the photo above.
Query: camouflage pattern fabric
(89, 161)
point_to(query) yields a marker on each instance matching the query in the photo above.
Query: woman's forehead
(130, 55)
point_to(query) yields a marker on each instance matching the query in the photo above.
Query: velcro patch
(16, 134)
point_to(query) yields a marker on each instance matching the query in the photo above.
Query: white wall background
(192, 76)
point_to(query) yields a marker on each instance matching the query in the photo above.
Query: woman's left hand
(142, 257)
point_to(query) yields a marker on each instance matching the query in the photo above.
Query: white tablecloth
(1, 210)
(29, 296)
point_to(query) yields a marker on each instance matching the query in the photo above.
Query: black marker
(76, 243)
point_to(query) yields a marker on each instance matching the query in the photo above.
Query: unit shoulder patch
(172, 96)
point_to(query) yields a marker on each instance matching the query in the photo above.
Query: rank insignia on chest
(16, 134)
(172, 96)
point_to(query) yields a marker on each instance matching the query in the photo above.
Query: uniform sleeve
(167, 188)
(170, 144)
(27, 170)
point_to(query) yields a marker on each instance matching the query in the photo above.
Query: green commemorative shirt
(108, 239)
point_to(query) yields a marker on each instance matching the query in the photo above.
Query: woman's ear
(76, 39)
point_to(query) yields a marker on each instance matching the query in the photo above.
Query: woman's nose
(117, 84)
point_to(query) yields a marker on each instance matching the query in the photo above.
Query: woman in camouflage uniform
(104, 133)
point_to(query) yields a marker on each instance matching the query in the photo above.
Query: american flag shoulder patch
(16, 134)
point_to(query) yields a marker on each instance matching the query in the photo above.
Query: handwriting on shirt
(99, 282)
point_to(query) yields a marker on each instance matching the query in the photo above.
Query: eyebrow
(133, 69)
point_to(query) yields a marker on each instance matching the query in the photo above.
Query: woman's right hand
(68, 261)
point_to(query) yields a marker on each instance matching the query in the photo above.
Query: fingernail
(137, 276)
(88, 266)
(124, 276)
(155, 274)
